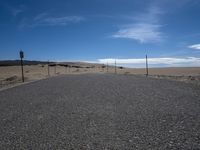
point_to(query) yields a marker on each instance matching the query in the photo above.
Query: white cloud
(167, 61)
(146, 28)
(195, 46)
(142, 32)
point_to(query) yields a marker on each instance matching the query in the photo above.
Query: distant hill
(66, 64)
(17, 62)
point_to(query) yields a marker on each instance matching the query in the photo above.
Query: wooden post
(115, 67)
(48, 69)
(107, 67)
(55, 69)
(147, 70)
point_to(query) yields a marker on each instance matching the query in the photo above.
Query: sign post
(21, 53)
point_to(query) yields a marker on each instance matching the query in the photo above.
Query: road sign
(21, 54)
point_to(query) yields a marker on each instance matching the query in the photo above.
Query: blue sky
(102, 31)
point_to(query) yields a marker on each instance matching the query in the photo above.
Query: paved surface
(100, 112)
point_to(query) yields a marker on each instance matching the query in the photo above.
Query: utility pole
(147, 70)
(115, 67)
(21, 53)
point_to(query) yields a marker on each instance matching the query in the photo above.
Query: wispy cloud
(40, 16)
(15, 12)
(145, 29)
(166, 61)
(142, 32)
(44, 19)
(195, 46)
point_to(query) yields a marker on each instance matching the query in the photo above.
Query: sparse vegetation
(35, 72)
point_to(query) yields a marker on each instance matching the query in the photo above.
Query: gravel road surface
(100, 111)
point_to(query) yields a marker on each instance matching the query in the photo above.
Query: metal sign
(21, 54)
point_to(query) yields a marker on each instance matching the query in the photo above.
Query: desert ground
(11, 75)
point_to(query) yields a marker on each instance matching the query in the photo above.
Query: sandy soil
(11, 75)
(185, 74)
(193, 71)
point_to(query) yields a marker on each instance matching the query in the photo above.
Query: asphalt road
(100, 111)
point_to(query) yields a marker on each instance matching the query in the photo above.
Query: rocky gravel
(100, 111)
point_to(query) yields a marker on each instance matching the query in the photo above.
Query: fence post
(48, 68)
(115, 67)
(107, 67)
(147, 70)
(55, 69)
